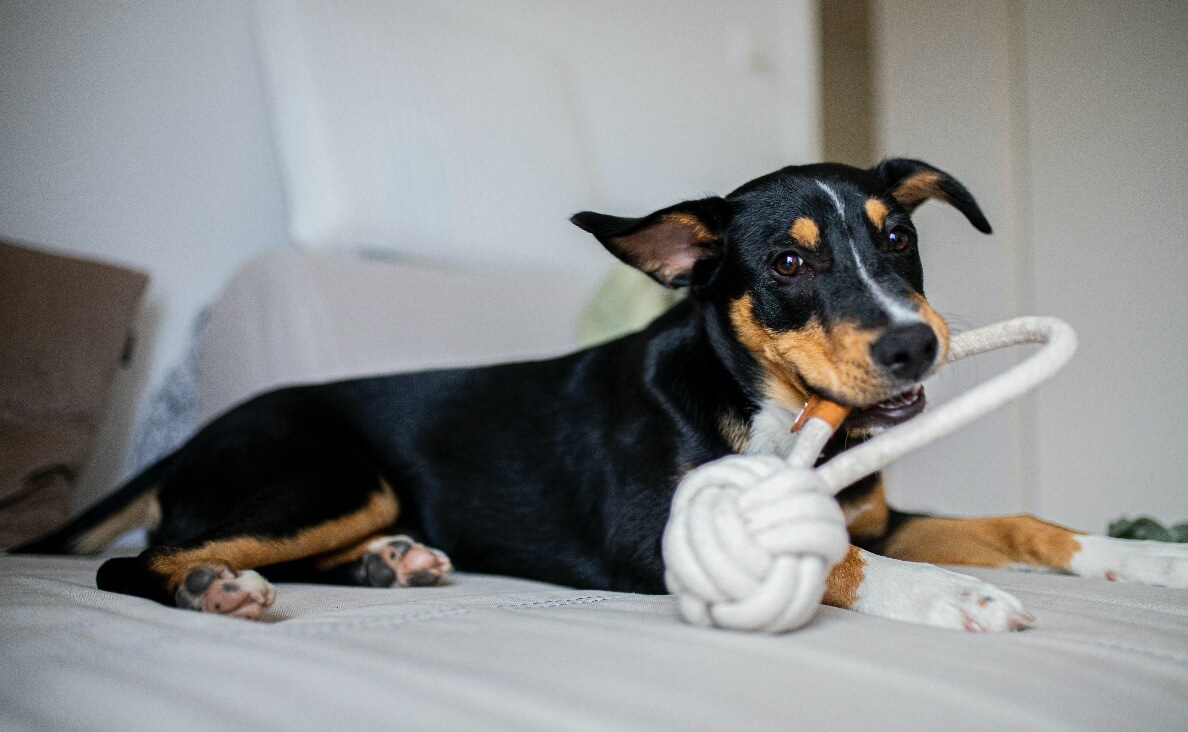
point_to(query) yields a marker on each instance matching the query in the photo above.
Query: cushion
(65, 325)
(290, 318)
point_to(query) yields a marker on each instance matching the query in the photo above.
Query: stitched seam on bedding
(312, 628)
(1162, 608)
(1073, 639)
(306, 625)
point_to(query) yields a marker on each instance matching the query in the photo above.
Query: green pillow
(625, 302)
(1145, 527)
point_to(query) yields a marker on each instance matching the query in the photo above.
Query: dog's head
(815, 272)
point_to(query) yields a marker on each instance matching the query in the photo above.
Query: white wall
(1069, 122)
(136, 132)
(680, 98)
(620, 105)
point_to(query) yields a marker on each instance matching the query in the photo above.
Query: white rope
(751, 538)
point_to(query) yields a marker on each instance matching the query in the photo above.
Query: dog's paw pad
(217, 589)
(399, 561)
(1127, 560)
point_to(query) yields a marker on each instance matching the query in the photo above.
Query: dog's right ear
(677, 246)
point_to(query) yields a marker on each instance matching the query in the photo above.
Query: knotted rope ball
(750, 542)
(751, 539)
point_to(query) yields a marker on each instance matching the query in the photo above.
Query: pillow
(65, 326)
(626, 302)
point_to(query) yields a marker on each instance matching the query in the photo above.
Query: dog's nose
(906, 352)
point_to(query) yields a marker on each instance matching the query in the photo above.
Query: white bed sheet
(496, 653)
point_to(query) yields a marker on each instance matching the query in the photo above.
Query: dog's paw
(399, 561)
(216, 589)
(1127, 560)
(926, 594)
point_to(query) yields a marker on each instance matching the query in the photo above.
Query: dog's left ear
(912, 182)
(677, 246)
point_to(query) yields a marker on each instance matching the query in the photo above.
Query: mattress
(496, 653)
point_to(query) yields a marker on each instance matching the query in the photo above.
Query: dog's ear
(678, 246)
(912, 182)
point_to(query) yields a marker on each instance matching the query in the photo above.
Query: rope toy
(751, 539)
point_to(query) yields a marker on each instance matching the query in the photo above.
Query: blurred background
(188, 139)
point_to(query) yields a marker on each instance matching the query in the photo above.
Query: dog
(805, 281)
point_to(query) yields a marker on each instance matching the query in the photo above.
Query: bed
(497, 653)
(490, 652)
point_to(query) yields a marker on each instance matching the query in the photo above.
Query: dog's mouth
(889, 412)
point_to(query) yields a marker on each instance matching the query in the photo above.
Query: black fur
(560, 470)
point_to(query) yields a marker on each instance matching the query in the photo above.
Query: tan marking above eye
(876, 211)
(805, 232)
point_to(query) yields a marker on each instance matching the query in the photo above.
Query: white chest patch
(771, 430)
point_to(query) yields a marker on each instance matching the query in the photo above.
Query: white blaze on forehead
(837, 202)
(899, 311)
(896, 308)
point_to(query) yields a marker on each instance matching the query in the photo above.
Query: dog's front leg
(921, 593)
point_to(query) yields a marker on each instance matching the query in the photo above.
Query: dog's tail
(135, 504)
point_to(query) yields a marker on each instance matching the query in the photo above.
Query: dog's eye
(787, 263)
(901, 238)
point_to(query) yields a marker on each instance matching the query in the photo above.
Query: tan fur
(918, 188)
(144, 511)
(670, 246)
(736, 432)
(938, 324)
(248, 552)
(349, 553)
(806, 232)
(867, 515)
(820, 408)
(984, 542)
(876, 211)
(696, 229)
(836, 360)
(841, 590)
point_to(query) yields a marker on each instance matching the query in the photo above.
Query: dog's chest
(771, 430)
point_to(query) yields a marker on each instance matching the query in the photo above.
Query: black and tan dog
(804, 281)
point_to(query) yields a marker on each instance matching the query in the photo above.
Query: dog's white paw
(216, 589)
(926, 594)
(1128, 560)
